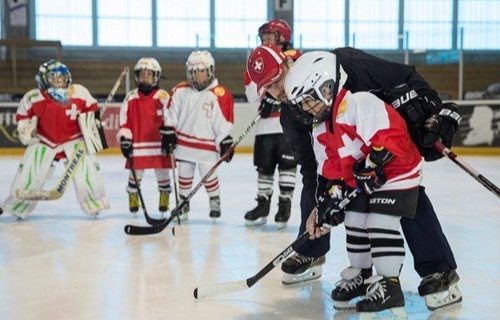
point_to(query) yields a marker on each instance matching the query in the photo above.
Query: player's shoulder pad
(33, 95)
(161, 94)
(293, 53)
(77, 90)
(219, 91)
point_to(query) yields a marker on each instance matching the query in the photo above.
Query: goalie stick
(62, 184)
(467, 168)
(159, 227)
(73, 162)
(211, 290)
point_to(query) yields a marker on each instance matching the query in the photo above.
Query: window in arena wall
(321, 25)
(237, 23)
(480, 21)
(67, 21)
(124, 23)
(428, 24)
(183, 23)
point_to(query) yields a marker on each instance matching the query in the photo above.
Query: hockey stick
(157, 228)
(62, 184)
(72, 164)
(467, 168)
(139, 192)
(228, 287)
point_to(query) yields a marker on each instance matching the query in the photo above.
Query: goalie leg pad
(88, 182)
(31, 174)
(93, 132)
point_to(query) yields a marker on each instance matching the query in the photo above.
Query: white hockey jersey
(202, 119)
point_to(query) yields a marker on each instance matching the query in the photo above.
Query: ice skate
(133, 202)
(283, 214)
(258, 215)
(440, 289)
(383, 293)
(351, 286)
(183, 215)
(299, 268)
(164, 202)
(214, 208)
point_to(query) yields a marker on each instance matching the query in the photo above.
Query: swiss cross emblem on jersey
(258, 65)
(73, 112)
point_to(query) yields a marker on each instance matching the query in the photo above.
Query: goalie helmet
(149, 64)
(317, 76)
(265, 65)
(200, 61)
(279, 28)
(54, 78)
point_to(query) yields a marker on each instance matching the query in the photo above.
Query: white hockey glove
(27, 131)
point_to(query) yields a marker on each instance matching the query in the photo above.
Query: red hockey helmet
(279, 27)
(265, 65)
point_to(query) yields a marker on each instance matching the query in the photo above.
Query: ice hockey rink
(61, 264)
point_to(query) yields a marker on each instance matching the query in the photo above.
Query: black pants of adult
(424, 236)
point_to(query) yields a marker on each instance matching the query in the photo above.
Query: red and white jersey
(57, 121)
(202, 119)
(268, 125)
(361, 121)
(141, 117)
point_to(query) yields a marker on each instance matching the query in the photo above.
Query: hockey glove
(442, 126)
(225, 145)
(368, 172)
(268, 106)
(168, 140)
(26, 129)
(126, 147)
(329, 214)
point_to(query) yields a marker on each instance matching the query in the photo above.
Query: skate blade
(345, 305)
(392, 313)
(310, 274)
(444, 298)
(254, 223)
(281, 225)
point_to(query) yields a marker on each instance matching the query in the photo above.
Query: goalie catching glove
(224, 146)
(168, 140)
(329, 214)
(369, 173)
(268, 106)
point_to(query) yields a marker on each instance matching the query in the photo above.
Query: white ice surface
(61, 264)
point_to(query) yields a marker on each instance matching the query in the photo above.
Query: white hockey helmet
(150, 64)
(316, 75)
(198, 61)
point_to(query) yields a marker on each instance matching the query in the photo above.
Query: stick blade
(211, 290)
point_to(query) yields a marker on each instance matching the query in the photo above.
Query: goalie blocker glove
(369, 173)
(224, 147)
(168, 140)
(329, 214)
(126, 147)
(441, 126)
(268, 106)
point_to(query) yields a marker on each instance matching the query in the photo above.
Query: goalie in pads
(53, 123)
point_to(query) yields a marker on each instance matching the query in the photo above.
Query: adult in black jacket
(401, 86)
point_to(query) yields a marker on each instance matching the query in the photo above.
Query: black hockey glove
(442, 126)
(224, 147)
(126, 147)
(168, 140)
(268, 106)
(329, 213)
(369, 173)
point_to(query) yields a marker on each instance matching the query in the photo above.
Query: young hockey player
(433, 257)
(197, 127)
(362, 141)
(141, 116)
(48, 124)
(271, 150)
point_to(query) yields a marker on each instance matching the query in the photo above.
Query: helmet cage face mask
(200, 61)
(152, 65)
(49, 78)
